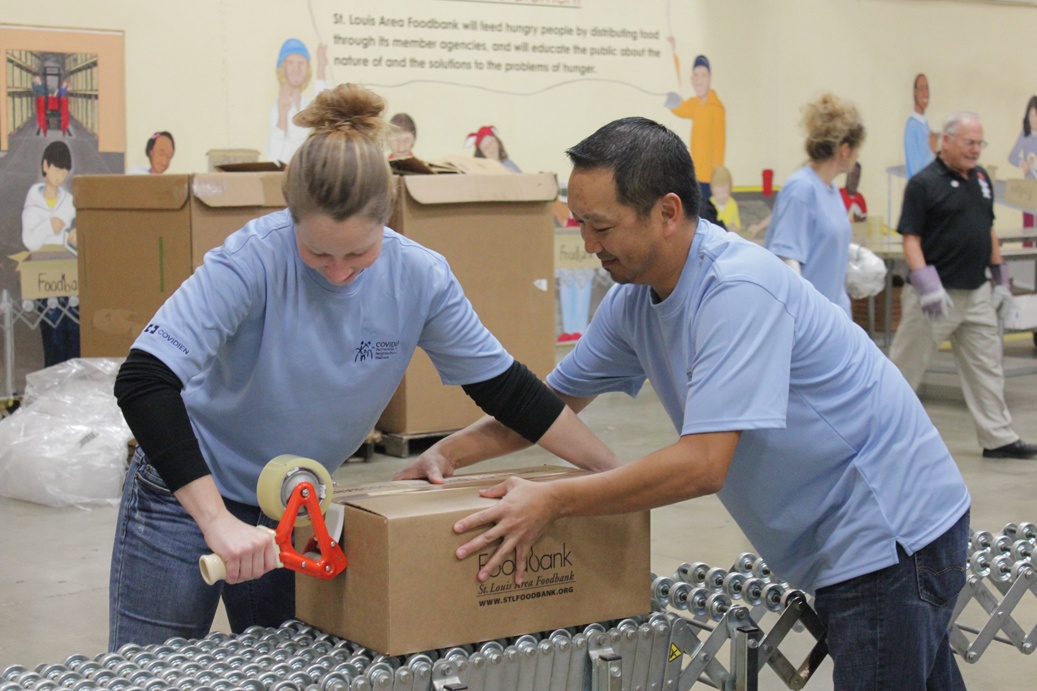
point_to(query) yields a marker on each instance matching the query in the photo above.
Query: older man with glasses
(947, 224)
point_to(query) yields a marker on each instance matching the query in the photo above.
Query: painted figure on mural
(160, 149)
(919, 141)
(707, 115)
(1024, 153)
(723, 201)
(48, 223)
(63, 106)
(293, 75)
(403, 137)
(488, 145)
(853, 200)
(40, 92)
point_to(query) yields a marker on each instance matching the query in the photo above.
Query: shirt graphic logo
(375, 350)
(984, 186)
(363, 352)
(169, 338)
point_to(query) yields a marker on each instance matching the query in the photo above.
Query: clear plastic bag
(67, 444)
(865, 273)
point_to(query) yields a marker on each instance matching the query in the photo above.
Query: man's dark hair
(56, 155)
(647, 160)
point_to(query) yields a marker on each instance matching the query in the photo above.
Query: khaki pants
(976, 344)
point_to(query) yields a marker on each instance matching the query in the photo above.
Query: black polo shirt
(953, 216)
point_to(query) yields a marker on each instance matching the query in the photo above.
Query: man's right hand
(431, 465)
(936, 303)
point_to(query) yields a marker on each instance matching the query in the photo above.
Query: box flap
(238, 189)
(417, 497)
(124, 192)
(457, 189)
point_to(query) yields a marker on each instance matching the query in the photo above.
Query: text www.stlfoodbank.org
(519, 597)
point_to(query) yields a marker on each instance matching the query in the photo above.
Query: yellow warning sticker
(675, 652)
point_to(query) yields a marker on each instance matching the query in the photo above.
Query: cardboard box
(47, 273)
(141, 236)
(1021, 192)
(404, 590)
(497, 232)
(1024, 316)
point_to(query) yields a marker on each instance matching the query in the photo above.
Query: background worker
(785, 409)
(809, 228)
(290, 338)
(947, 224)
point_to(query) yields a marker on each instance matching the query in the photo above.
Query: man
(785, 409)
(919, 141)
(708, 117)
(947, 225)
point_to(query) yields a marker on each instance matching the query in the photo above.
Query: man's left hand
(1003, 302)
(524, 512)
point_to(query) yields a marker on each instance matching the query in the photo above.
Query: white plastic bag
(865, 273)
(66, 445)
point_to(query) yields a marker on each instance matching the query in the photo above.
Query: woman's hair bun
(347, 107)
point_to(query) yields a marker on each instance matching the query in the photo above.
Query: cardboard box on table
(141, 236)
(404, 591)
(497, 232)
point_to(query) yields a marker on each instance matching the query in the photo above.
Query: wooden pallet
(400, 445)
(366, 451)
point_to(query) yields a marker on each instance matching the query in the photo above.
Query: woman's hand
(248, 551)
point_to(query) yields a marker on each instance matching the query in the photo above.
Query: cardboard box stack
(497, 233)
(141, 236)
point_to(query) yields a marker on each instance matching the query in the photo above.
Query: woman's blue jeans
(888, 630)
(156, 591)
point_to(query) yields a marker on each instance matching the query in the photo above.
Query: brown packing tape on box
(404, 590)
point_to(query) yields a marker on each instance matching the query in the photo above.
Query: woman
(809, 228)
(290, 338)
(159, 150)
(488, 145)
(1024, 153)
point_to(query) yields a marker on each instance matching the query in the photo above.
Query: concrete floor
(54, 567)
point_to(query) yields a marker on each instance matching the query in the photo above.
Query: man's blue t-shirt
(275, 359)
(810, 224)
(837, 462)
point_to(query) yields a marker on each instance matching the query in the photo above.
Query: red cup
(768, 182)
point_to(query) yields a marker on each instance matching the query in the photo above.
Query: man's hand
(57, 224)
(431, 465)
(936, 303)
(1002, 298)
(247, 550)
(525, 511)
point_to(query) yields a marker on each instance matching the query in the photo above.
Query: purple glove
(936, 303)
(1001, 297)
(1001, 277)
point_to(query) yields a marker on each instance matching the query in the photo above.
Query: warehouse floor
(54, 566)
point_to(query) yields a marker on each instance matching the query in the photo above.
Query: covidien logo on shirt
(162, 333)
(375, 350)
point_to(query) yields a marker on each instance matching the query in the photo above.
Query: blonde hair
(282, 78)
(721, 176)
(340, 170)
(830, 122)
